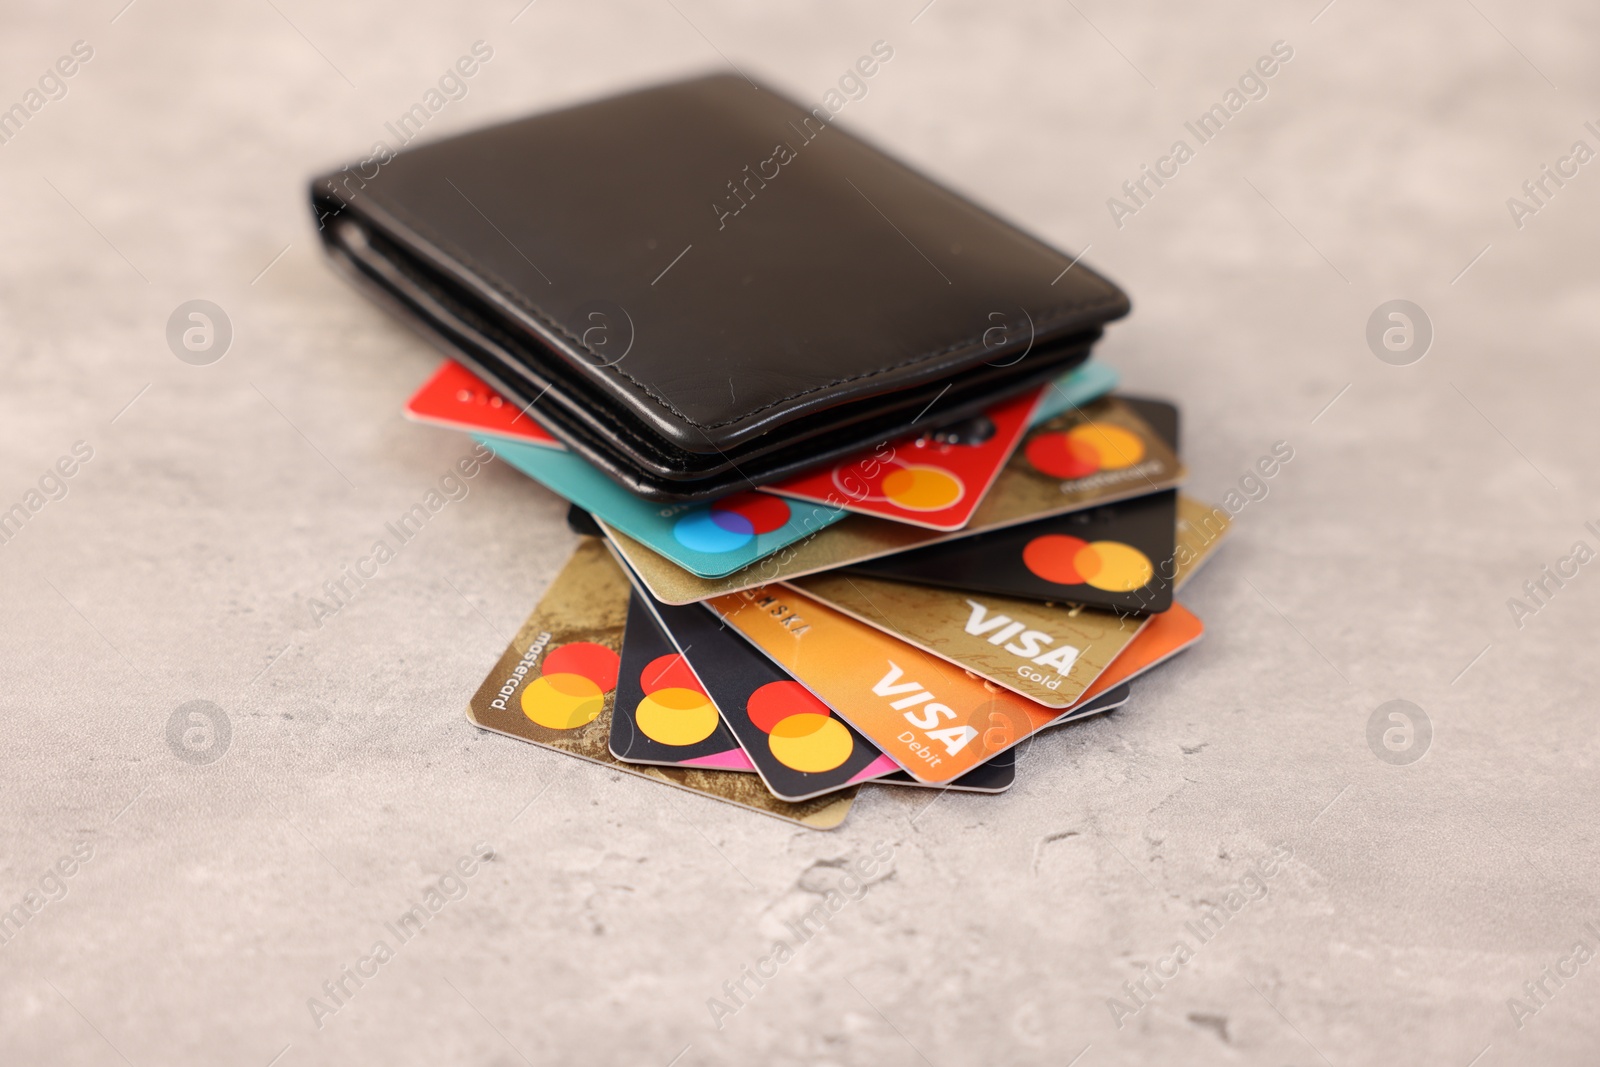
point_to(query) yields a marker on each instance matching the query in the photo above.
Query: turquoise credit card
(709, 539)
(1089, 381)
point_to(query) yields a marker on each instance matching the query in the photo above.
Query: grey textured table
(219, 899)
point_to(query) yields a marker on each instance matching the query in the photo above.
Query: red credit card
(936, 480)
(459, 399)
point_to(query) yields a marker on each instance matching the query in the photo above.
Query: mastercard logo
(675, 709)
(1108, 565)
(912, 486)
(572, 686)
(730, 523)
(801, 730)
(1084, 450)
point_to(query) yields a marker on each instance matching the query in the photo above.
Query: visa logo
(923, 712)
(1016, 638)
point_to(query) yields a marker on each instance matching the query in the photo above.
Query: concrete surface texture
(188, 909)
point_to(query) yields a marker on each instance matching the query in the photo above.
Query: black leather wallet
(703, 286)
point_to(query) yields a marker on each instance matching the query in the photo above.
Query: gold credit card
(1049, 653)
(556, 686)
(1200, 528)
(1090, 456)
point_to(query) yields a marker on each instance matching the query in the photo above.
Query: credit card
(1162, 637)
(1109, 699)
(934, 719)
(706, 539)
(999, 773)
(1114, 555)
(935, 480)
(1132, 461)
(1160, 416)
(456, 398)
(799, 746)
(1090, 455)
(1103, 557)
(582, 523)
(1049, 653)
(555, 686)
(995, 776)
(663, 714)
(1201, 527)
(1086, 383)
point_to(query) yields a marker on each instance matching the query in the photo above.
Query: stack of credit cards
(911, 617)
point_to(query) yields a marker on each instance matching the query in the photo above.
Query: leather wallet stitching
(517, 297)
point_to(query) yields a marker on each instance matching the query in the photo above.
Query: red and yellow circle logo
(912, 486)
(572, 686)
(801, 730)
(1084, 450)
(1108, 565)
(675, 709)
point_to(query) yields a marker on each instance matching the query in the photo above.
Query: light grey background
(181, 564)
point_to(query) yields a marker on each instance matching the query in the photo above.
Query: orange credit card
(1163, 636)
(928, 715)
